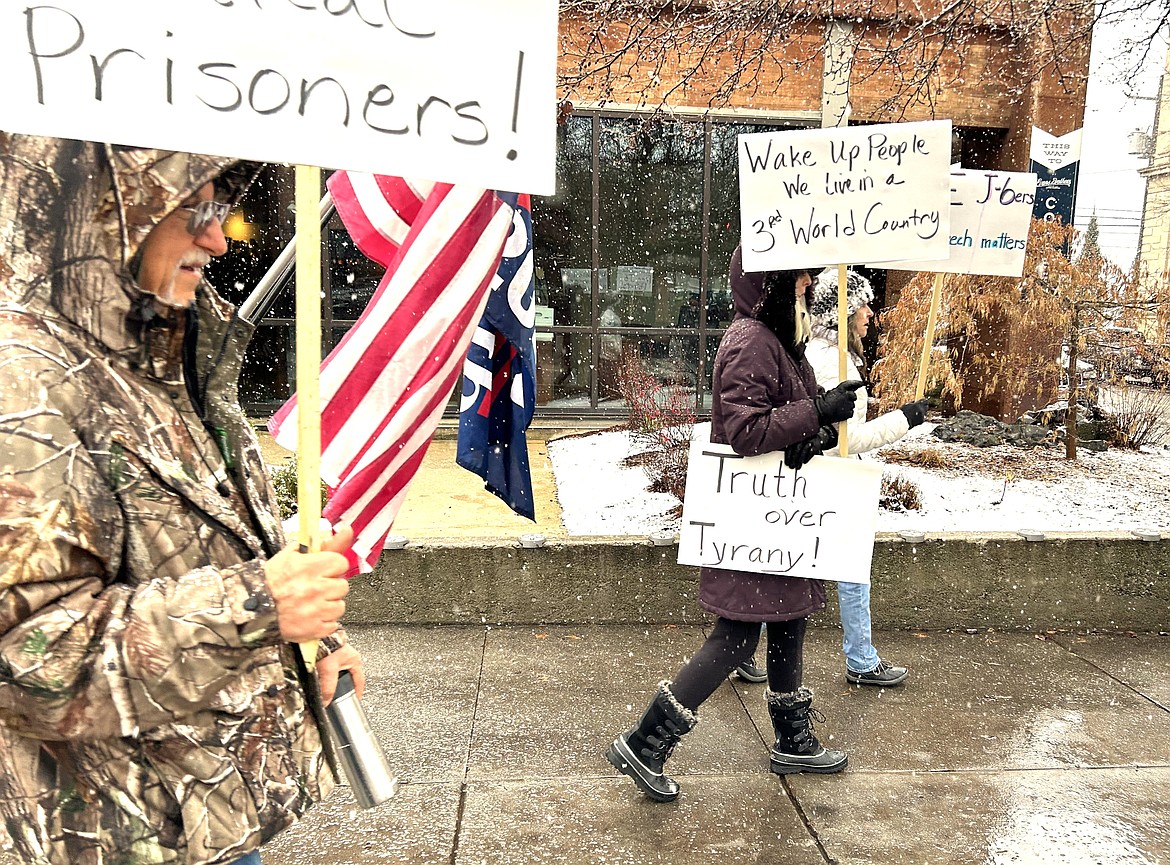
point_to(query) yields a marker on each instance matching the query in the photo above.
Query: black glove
(797, 455)
(836, 405)
(828, 437)
(915, 411)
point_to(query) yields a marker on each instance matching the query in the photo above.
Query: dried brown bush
(975, 312)
(668, 471)
(927, 458)
(1139, 416)
(660, 418)
(1002, 335)
(899, 494)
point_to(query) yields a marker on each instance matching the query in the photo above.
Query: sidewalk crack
(1070, 648)
(804, 818)
(467, 754)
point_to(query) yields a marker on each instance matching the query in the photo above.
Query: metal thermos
(361, 755)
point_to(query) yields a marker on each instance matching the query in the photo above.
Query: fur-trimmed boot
(796, 748)
(642, 751)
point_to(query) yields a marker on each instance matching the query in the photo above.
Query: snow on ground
(598, 495)
(1117, 490)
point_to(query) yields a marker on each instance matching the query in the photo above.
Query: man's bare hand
(309, 588)
(345, 658)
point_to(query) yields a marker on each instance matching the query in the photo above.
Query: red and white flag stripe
(377, 210)
(384, 387)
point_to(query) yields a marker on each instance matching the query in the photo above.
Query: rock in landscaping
(1093, 422)
(982, 431)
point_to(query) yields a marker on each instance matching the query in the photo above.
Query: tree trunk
(1074, 390)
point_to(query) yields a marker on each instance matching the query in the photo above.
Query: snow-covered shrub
(899, 494)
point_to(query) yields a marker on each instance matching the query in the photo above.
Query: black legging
(729, 644)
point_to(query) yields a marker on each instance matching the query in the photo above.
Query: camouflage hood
(73, 215)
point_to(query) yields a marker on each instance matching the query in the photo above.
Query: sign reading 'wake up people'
(460, 91)
(811, 198)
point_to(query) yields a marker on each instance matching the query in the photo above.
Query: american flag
(499, 376)
(384, 387)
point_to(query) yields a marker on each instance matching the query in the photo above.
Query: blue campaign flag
(499, 375)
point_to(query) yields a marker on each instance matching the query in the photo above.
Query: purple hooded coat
(761, 401)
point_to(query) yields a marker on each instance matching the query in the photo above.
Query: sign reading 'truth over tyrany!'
(756, 514)
(452, 90)
(811, 198)
(991, 212)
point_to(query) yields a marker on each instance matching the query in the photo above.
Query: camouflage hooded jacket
(149, 711)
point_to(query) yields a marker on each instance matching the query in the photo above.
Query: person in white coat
(863, 664)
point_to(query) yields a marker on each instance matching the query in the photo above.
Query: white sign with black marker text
(991, 212)
(756, 514)
(813, 198)
(459, 91)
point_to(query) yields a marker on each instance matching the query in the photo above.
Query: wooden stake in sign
(843, 347)
(928, 342)
(308, 273)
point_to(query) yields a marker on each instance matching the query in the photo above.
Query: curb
(1110, 581)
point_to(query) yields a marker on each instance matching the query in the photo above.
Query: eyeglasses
(203, 214)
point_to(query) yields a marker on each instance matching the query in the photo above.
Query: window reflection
(268, 376)
(650, 235)
(353, 278)
(256, 233)
(562, 259)
(651, 180)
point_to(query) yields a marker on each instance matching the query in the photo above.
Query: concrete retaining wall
(1083, 582)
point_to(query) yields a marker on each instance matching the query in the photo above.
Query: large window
(633, 253)
(256, 233)
(630, 263)
(562, 227)
(650, 240)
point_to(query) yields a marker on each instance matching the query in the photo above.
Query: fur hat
(824, 303)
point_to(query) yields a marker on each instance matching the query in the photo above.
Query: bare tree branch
(722, 52)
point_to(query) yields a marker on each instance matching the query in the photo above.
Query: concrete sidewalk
(448, 503)
(1001, 748)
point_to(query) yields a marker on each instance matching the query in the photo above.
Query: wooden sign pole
(843, 348)
(308, 346)
(928, 342)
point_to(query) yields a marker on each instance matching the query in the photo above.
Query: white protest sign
(811, 198)
(991, 212)
(1053, 152)
(756, 514)
(460, 91)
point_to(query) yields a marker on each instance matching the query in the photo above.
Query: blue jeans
(252, 858)
(857, 642)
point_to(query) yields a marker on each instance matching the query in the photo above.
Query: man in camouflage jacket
(152, 707)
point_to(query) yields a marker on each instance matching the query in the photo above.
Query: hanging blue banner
(1056, 192)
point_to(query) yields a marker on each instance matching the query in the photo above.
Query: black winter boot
(749, 672)
(796, 748)
(642, 752)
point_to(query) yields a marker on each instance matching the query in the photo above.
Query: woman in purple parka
(764, 398)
